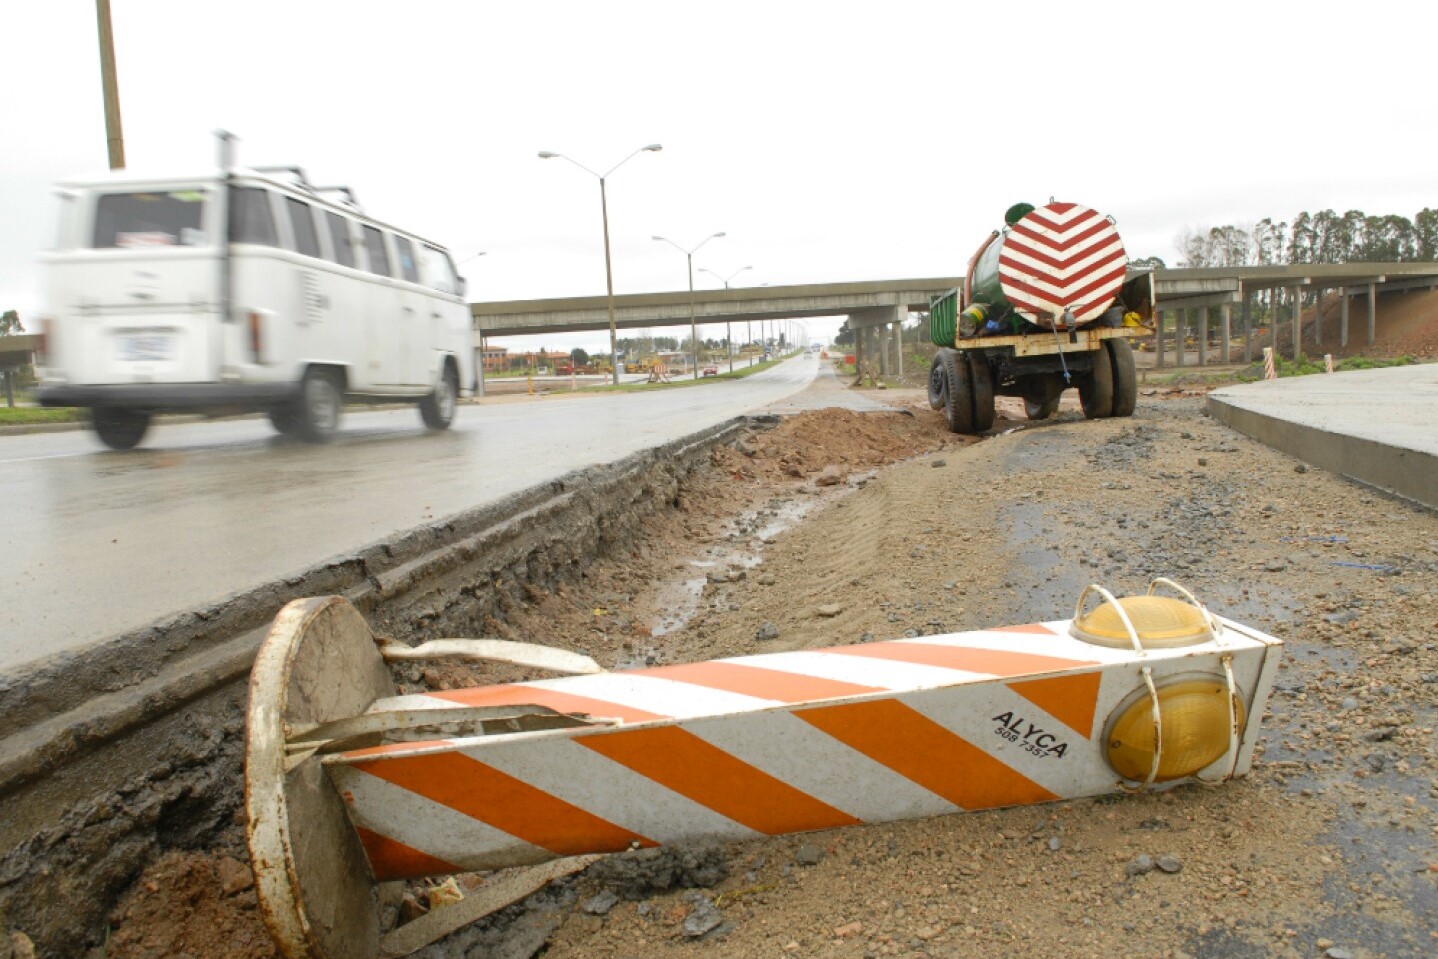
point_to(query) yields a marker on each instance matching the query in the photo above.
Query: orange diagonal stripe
(995, 662)
(481, 792)
(1069, 699)
(916, 747)
(688, 765)
(760, 682)
(1038, 628)
(540, 696)
(392, 859)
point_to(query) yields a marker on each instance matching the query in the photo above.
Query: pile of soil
(1405, 324)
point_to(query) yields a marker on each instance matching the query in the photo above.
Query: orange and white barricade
(1269, 371)
(349, 785)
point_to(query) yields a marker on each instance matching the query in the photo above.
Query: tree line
(1322, 237)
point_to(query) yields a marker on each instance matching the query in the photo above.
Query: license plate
(146, 347)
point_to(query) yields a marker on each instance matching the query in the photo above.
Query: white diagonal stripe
(862, 670)
(582, 777)
(813, 762)
(432, 828)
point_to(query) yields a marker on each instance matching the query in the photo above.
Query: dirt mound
(191, 904)
(836, 441)
(1405, 324)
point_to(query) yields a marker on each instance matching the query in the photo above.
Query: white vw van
(244, 290)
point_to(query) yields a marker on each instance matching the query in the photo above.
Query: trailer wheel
(119, 429)
(437, 409)
(319, 410)
(1096, 389)
(1041, 397)
(1125, 377)
(959, 399)
(938, 385)
(981, 382)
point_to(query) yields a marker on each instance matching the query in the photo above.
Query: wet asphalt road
(96, 542)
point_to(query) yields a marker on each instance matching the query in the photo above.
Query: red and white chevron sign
(1062, 256)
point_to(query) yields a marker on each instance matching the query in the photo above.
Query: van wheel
(120, 429)
(318, 416)
(285, 420)
(437, 409)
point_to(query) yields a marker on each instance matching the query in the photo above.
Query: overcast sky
(831, 141)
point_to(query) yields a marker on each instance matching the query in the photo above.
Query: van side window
(250, 218)
(407, 268)
(340, 239)
(436, 270)
(302, 219)
(374, 246)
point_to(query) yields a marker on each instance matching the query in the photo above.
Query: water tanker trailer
(1048, 303)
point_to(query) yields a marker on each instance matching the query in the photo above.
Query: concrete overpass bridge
(877, 309)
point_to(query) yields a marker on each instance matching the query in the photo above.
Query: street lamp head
(716, 236)
(546, 155)
(659, 238)
(654, 147)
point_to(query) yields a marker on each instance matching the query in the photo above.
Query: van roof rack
(346, 192)
(297, 172)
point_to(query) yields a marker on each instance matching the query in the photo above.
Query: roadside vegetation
(687, 379)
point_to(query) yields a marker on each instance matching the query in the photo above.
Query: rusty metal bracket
(491, 651)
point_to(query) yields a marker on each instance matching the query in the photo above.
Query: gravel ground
(1326, 849)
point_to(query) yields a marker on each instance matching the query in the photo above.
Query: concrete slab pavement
(1378, 427)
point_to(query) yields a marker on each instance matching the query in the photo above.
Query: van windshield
(137, 220)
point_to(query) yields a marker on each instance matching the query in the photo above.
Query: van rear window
(137, 220)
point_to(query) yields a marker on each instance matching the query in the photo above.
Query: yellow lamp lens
(1161, 622)
(1195, 729)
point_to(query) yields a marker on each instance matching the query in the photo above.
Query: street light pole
(728, 337)
(693, 327)
(608, 263)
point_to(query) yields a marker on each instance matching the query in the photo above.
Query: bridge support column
(1246, 316)
(1180, 333)
(1372, 313)
(1297, 322)
(1343, 316)
(479, 374)
(1273, 297)
(1225, 330)
(1160, 320)
(1203, 318)
(1318, 321)
(885, 362)
(900, 312)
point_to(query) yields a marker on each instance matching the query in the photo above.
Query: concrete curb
(1407, 473)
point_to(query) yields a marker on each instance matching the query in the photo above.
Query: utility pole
(114, 138)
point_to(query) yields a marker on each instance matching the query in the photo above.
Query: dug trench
(1325, 849)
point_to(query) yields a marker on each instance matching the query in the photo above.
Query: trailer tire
(119, 429)
(1096, 389)
(318, 414)
(438, 408)
(938, 385)
(1041, 397)
(981, 383)
(1125, 377)
(959, 400)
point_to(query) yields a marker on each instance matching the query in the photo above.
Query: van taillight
(257, 338)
